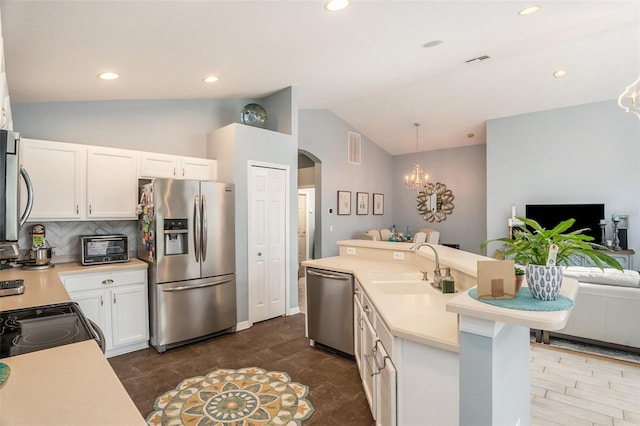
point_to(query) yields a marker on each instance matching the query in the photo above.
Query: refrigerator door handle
(205, 227)
(193, 287)
(196, 233)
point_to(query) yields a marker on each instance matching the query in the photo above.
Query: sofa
(607, 307)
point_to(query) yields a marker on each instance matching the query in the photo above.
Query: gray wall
(176, 127)
(324, 135)
(463, 171)
(583, 154)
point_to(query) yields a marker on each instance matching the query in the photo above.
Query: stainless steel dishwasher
(330, 309)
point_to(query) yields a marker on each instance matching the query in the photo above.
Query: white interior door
(302, 227)
(267, 242)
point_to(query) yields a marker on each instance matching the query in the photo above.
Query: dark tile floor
(335, 390)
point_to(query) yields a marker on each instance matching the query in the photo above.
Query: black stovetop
(41, 327)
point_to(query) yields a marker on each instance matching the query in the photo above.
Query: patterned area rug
(248, 396)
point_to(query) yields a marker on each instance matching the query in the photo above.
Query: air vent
(354, 142)
(478, 59)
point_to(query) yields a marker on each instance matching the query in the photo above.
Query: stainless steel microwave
(98, 249)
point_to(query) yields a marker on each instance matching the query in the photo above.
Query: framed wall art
(378, 203)
(344, 202)
(362, 199)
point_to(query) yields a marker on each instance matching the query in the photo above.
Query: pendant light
(629, 100)
(417, 179)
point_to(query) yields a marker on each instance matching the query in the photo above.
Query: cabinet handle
(356, 291)
(183, 172)
(366, 361)
(174, 171)
(114, 299)
(89, 208)
(77, 209)
(109, 281)
(101, 301)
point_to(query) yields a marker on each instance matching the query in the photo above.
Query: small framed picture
(344, 202)
(378, 203)
(362, 199)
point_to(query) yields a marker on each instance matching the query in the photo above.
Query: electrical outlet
(351, 250)
(398, 255)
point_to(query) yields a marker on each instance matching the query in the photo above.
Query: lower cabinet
(375, 365)
(118, 303)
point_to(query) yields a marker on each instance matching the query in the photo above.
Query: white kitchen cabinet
(57, 173)
(171, 166)
(77, 182)
(375, 365)
(112, 185)
(117, 302)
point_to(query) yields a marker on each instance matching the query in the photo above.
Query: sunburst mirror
(435, 202)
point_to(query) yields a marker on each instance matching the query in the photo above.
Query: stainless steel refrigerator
(187, 236)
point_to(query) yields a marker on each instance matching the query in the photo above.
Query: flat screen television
(586, 216)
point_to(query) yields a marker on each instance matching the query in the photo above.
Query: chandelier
(629, 100)
(418, 178)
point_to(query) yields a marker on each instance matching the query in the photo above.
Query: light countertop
(67, 385)
(422, 313)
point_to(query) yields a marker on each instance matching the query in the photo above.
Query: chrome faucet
(437, 276)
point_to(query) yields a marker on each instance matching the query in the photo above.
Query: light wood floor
(569, 388)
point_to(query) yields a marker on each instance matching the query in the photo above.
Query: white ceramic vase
(544, 281)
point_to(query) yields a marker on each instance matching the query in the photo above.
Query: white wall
(324, 135)
(582, 154)
(463, 171)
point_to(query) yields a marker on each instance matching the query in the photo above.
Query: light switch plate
(398, 255)
(351, 250)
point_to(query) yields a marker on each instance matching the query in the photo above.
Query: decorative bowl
(253, 115)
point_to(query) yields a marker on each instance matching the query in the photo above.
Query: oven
(42, 327)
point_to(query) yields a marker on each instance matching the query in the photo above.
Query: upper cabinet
(171, 166)
(57, 172)
(83, 182)
(112, 184)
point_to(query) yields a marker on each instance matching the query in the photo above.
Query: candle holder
(616, 239)
(603, 237)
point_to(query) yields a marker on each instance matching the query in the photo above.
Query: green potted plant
(519, 277)
(530, 247)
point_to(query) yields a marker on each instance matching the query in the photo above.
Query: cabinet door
(57, 172)
(368, 371)
(157, 165)
(385, 388)
(93, 305)
(111, 183)
(197, 169)
(129, 318)
(624, 260)
(357, 330)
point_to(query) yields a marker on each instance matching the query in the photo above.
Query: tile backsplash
(65, 236)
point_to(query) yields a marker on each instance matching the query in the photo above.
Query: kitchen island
(419, 330)
(66, 385)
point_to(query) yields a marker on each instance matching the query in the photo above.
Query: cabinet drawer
(367, 307)
(357, 291)
(103, 280)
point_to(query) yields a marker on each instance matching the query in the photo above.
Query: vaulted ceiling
(368, 63)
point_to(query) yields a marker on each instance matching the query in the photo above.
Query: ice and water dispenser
(176, 232)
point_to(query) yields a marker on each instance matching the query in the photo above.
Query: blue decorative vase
(544, 281)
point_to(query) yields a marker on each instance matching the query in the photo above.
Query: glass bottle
(448, 285)
(407, 234)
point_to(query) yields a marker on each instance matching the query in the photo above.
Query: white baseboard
(294, 311)
(244, 325)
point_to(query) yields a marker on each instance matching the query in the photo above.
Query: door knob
(259, 253)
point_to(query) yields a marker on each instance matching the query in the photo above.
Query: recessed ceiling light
(432, 43)
(210, 79)
(560, 74)
(529, 10)
(108, 76)
(336, 5)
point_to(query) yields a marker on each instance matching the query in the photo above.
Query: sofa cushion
(607, 276)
